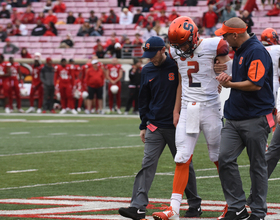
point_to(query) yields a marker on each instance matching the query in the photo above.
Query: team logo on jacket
(171, 76)
(240, 61)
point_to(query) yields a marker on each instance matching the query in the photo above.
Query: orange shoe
(166, 215)
(44, 111)
(224, 212)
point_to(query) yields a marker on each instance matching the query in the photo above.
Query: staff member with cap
(156, 128)
(248, 120)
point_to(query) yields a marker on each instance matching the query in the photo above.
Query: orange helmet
(183, 31)
(270, 36)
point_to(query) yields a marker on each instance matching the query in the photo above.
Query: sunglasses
(152, 48)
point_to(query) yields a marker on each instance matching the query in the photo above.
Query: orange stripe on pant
(181, 177)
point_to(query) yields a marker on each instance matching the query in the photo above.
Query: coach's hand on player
(219, 67)
(142, 135)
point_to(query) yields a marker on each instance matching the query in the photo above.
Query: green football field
(46, 156)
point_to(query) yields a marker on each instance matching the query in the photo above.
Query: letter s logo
(188, 27)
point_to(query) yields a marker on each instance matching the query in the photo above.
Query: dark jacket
(47, 75)
(5, 14)
(157, 94)
(70, 20)
(39, 30)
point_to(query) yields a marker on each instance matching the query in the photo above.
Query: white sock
(176, 200)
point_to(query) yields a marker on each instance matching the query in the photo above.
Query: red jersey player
(114, 75)
(14, 85)
(36, 85)
(66, 79)
(5, 73)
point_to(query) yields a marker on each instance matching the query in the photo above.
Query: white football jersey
(274, 52)
(199, 82)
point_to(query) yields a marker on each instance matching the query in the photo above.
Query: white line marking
(71, 115)
(133, 135)
(12, 120)
(58, 134)
(77, 173)
(22, 171)
(198, 177)
(61, 183)
(207, 169)
(71, 150)
(85, 135)
(21, 132)
(57, 121)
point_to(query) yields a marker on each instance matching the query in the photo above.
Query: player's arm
(177, 107)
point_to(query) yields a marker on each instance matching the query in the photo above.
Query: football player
(14, 85)
(198, 106)
(66, 79)
(270, 40)
(114, 75)
(5, 73)
(36, 85)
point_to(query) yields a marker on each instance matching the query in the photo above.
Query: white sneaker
(7, 110)
(79, 109)
(74, 111)
(20, 110)
(101, 112)
(63, 111)
(31, 109)
(119, 111)
(68, 109)
(168, 214)
(87, 111)
(39, 111)
(125, 113)
(92, 111)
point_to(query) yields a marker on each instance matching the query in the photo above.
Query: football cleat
(7, 110)
(39, 111)
(31, 109)
(20, 110)
(74, 112)
(236, 215)
(132, 212)
(166, 215)
(63, 111)
(193, 212)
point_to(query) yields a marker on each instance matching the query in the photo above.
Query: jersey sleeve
(259, 65)
(222, 48)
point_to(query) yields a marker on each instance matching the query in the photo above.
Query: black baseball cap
(152, 46)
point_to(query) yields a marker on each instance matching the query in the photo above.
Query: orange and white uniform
(200, 102)
(274, 51)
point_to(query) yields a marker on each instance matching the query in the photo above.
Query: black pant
(133, 95)
(48, 97)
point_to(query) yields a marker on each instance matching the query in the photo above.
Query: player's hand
(176, 119)
(223, 78)
(142, 135)
(278, 118)
(219, 67)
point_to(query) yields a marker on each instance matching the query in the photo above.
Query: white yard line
(61, 183)
(86, 172)
(12, 120)
(58, 134)
(70, 115)
(22, 171)
(70, 150)
(20, 132)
